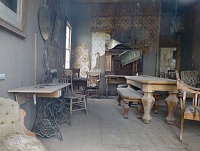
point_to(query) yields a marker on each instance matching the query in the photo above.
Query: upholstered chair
(12, 135)
(191, 109)
(190, 77)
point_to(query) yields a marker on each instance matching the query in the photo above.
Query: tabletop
(40, 88)
(114, 76)
(151, 80)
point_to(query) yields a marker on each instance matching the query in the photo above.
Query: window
(68, 46)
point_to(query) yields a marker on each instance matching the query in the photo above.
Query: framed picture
(13, 15)
(57, 31)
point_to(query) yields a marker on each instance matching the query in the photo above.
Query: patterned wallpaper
(135, 21)
(80, 59)
(141, 16)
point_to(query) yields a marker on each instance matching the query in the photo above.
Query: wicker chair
(12, 135)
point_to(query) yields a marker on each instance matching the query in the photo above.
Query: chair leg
(71, 101)
(85, 104)
(181, 131)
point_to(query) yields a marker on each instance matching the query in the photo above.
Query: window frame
(69, 44)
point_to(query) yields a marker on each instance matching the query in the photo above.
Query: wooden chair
(93, 80)
(77, 100)
(188, 112)
(75, 72)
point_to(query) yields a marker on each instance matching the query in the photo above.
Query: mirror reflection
(44, 22)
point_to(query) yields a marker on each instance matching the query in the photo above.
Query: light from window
(68, 46)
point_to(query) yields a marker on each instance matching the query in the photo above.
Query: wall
(190, 40)
(17, 58)
(81, 38)
(17, 54)
(124, 22)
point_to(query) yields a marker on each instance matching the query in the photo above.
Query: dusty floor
(105, 129)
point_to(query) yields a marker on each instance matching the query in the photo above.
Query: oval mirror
(44, 22)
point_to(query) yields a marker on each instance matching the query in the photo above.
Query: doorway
(168, 61)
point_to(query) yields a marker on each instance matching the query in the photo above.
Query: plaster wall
(17, 54)
(17, 58)
(149, 60)
(81, 38)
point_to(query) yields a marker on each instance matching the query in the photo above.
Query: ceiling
(182, 2)
(168, 6)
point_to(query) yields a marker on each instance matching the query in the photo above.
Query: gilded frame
(57, 30)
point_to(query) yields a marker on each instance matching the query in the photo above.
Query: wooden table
(149, 85)
(114, 79)
(51, 90)
(45, 123)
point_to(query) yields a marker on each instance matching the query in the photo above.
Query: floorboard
(105, 129)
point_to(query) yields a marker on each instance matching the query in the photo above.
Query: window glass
(68, 46)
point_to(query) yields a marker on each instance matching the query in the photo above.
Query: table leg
(106, 87)
(126, 109)
(45, 124)
(171, 102)
(147, 101)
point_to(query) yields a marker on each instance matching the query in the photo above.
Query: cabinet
(113, 66)
(108, 64)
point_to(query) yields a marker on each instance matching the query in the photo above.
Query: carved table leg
(147, 101)
(171, 102)
(119, 100)
(126, 109)
(139, 111)
(156, 105)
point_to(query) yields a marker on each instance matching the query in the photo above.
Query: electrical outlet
(2, 76)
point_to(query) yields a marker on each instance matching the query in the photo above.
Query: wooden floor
(105, 129)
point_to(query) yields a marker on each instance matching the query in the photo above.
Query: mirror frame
(46, 24)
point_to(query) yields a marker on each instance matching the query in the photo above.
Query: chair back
(9, 118)
(68, 78)
(75, 72)
(190, 77)
(93, 78)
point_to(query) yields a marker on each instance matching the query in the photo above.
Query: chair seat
(190, 109)
(18, 142)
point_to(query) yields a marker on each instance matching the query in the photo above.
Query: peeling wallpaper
(80, 59)
(98, 48)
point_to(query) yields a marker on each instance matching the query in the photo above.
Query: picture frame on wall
(57, 31)
(13, 15)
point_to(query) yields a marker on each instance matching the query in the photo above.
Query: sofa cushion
(190, 109)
